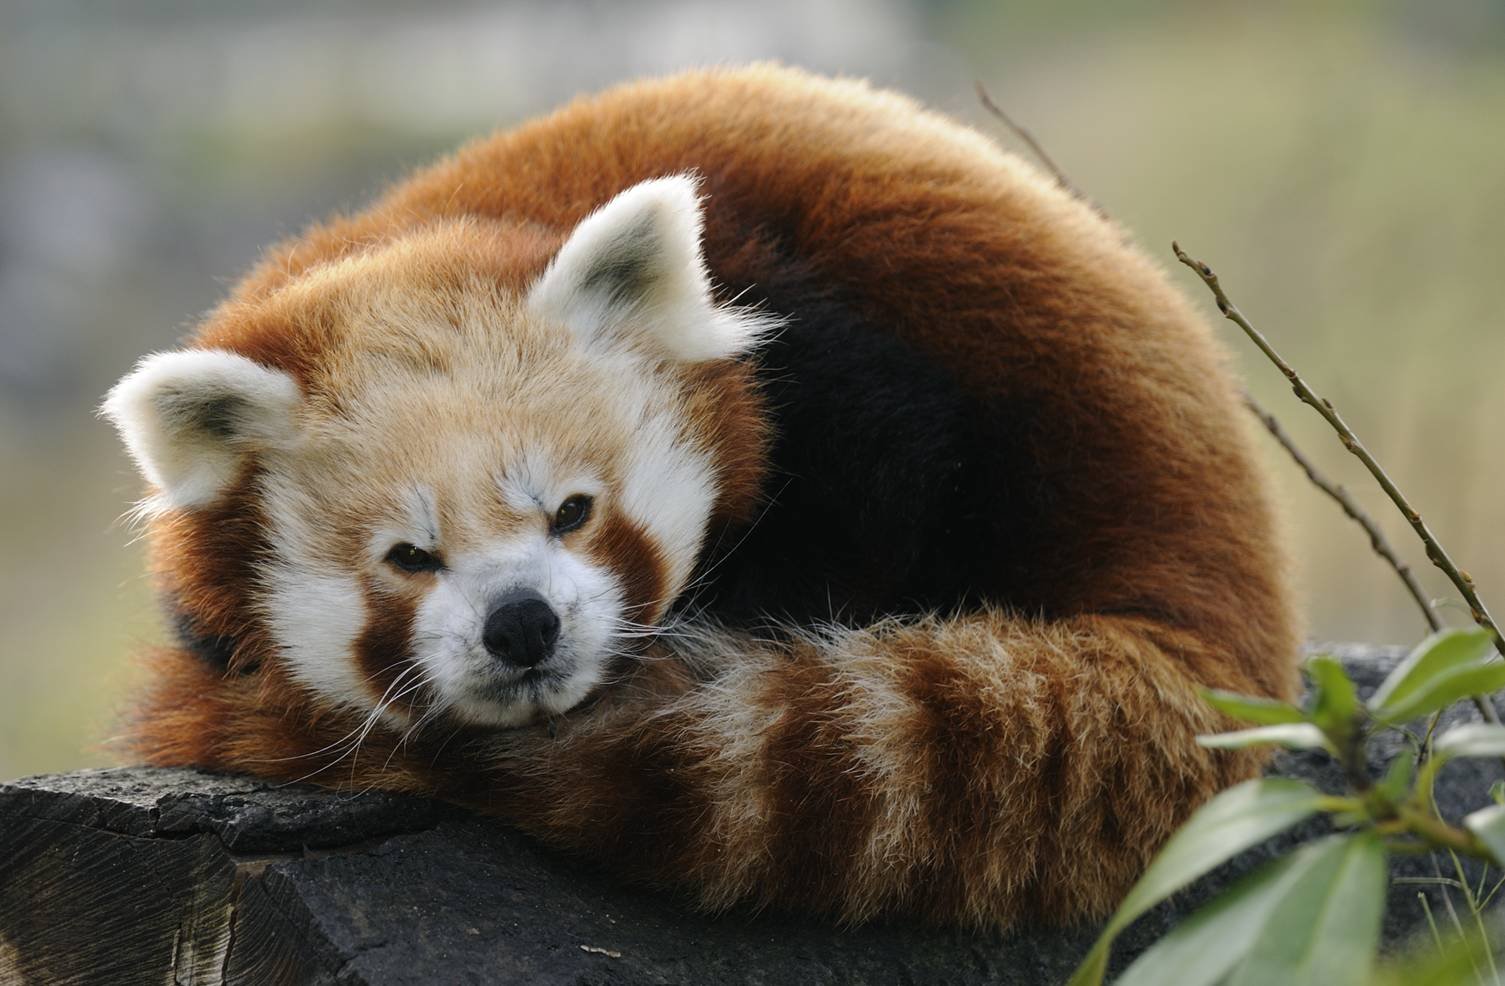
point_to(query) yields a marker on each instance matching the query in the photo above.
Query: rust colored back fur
(1020, 759)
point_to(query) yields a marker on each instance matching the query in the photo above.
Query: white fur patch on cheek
(315, 614)
(589, 601)
(669, 488)
(446, 633)
(315, 620)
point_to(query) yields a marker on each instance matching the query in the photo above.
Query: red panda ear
(190, 418)
(634, 270)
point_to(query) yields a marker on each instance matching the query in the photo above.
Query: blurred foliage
(1340, 160)
(1313, 914)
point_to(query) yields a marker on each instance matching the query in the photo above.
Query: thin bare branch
(1272, 424)
(1338, 494)
(1356, 513)
(1435, 552)
(1034, 145)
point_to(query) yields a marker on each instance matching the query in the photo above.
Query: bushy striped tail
(974, 770)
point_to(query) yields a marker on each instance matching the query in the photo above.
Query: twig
(1432, 923)
(1435, 552)
(1034, 146)
(1340, 496)
(1376, 539)
(1473, 906)
(1351, 442)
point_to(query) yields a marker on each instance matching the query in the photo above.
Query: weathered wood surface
(137, 875)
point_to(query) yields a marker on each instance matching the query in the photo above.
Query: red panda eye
(573, 512)
(411, 558)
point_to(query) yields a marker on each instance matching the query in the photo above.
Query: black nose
(521, 629)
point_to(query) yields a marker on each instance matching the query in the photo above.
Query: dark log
(140, 875)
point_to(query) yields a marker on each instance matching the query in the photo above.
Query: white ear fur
(190, 417)
(634, 267)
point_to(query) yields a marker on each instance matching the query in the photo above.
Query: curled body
(750, 481)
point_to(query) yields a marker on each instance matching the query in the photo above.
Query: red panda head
(453, 493)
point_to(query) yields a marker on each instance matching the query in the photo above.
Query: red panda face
(441, 490)
(470, 501)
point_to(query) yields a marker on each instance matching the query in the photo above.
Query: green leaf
(1253, 708)
(1292, 736)
(1439, 655)
(1236, 819)
(1476, 739)
(1274, 925)
(1497, 792)
(1201, 949)
(1326, 926)
(1336, 702)
(1094, 967)
(1398, 778)
(1444, 690)
(1488, 826)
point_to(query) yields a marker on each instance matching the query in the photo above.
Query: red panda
(750, 481)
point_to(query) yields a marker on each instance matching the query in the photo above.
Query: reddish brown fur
(202, 562)
(623, 546)
(383, 647)
(981, 769)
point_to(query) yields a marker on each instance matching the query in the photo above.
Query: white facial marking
(316, 619)
(669, 488)
(535, 485)
(315, 614)
(418, 525)
(479, 687)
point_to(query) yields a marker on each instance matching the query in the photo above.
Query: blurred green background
(1340, 164)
